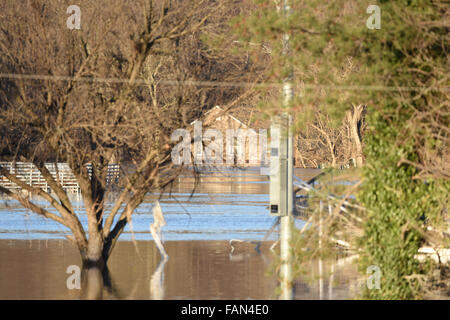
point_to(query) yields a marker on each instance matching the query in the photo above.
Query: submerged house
(230, 138)
(249, 120)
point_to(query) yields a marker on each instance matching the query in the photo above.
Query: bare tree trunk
(299, 161)
(97, 123)
(92, 283)
(354, 119)
(320, 127)
(95, 254)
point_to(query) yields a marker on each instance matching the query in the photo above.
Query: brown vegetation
(115, 91)
(71, 115)
(321, 144)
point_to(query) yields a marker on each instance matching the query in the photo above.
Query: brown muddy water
(34, 255)
(37, 269)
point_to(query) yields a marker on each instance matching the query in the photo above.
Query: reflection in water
(92, 284)
(196, 270)
(225, 206)
(157, 280)
(236, 254)
(155, 228)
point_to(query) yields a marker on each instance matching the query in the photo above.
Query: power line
(142, 82)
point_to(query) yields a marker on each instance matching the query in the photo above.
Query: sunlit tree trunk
(354, 119)
(92, 283)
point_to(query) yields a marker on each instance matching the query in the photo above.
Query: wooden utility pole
(281, 173)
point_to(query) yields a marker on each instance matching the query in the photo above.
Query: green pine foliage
(398, 71)
(403, 192)
(398, 205)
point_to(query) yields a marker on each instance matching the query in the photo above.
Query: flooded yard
(34, 255)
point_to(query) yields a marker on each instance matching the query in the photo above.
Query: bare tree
(100, 95)
(322, 143)
(355, 121)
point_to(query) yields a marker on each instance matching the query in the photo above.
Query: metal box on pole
(278, 170)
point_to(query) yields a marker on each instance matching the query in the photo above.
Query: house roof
(247, 117)
(222, 112)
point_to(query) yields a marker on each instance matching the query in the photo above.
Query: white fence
(61, 172)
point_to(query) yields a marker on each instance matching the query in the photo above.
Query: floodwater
(34, 255)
